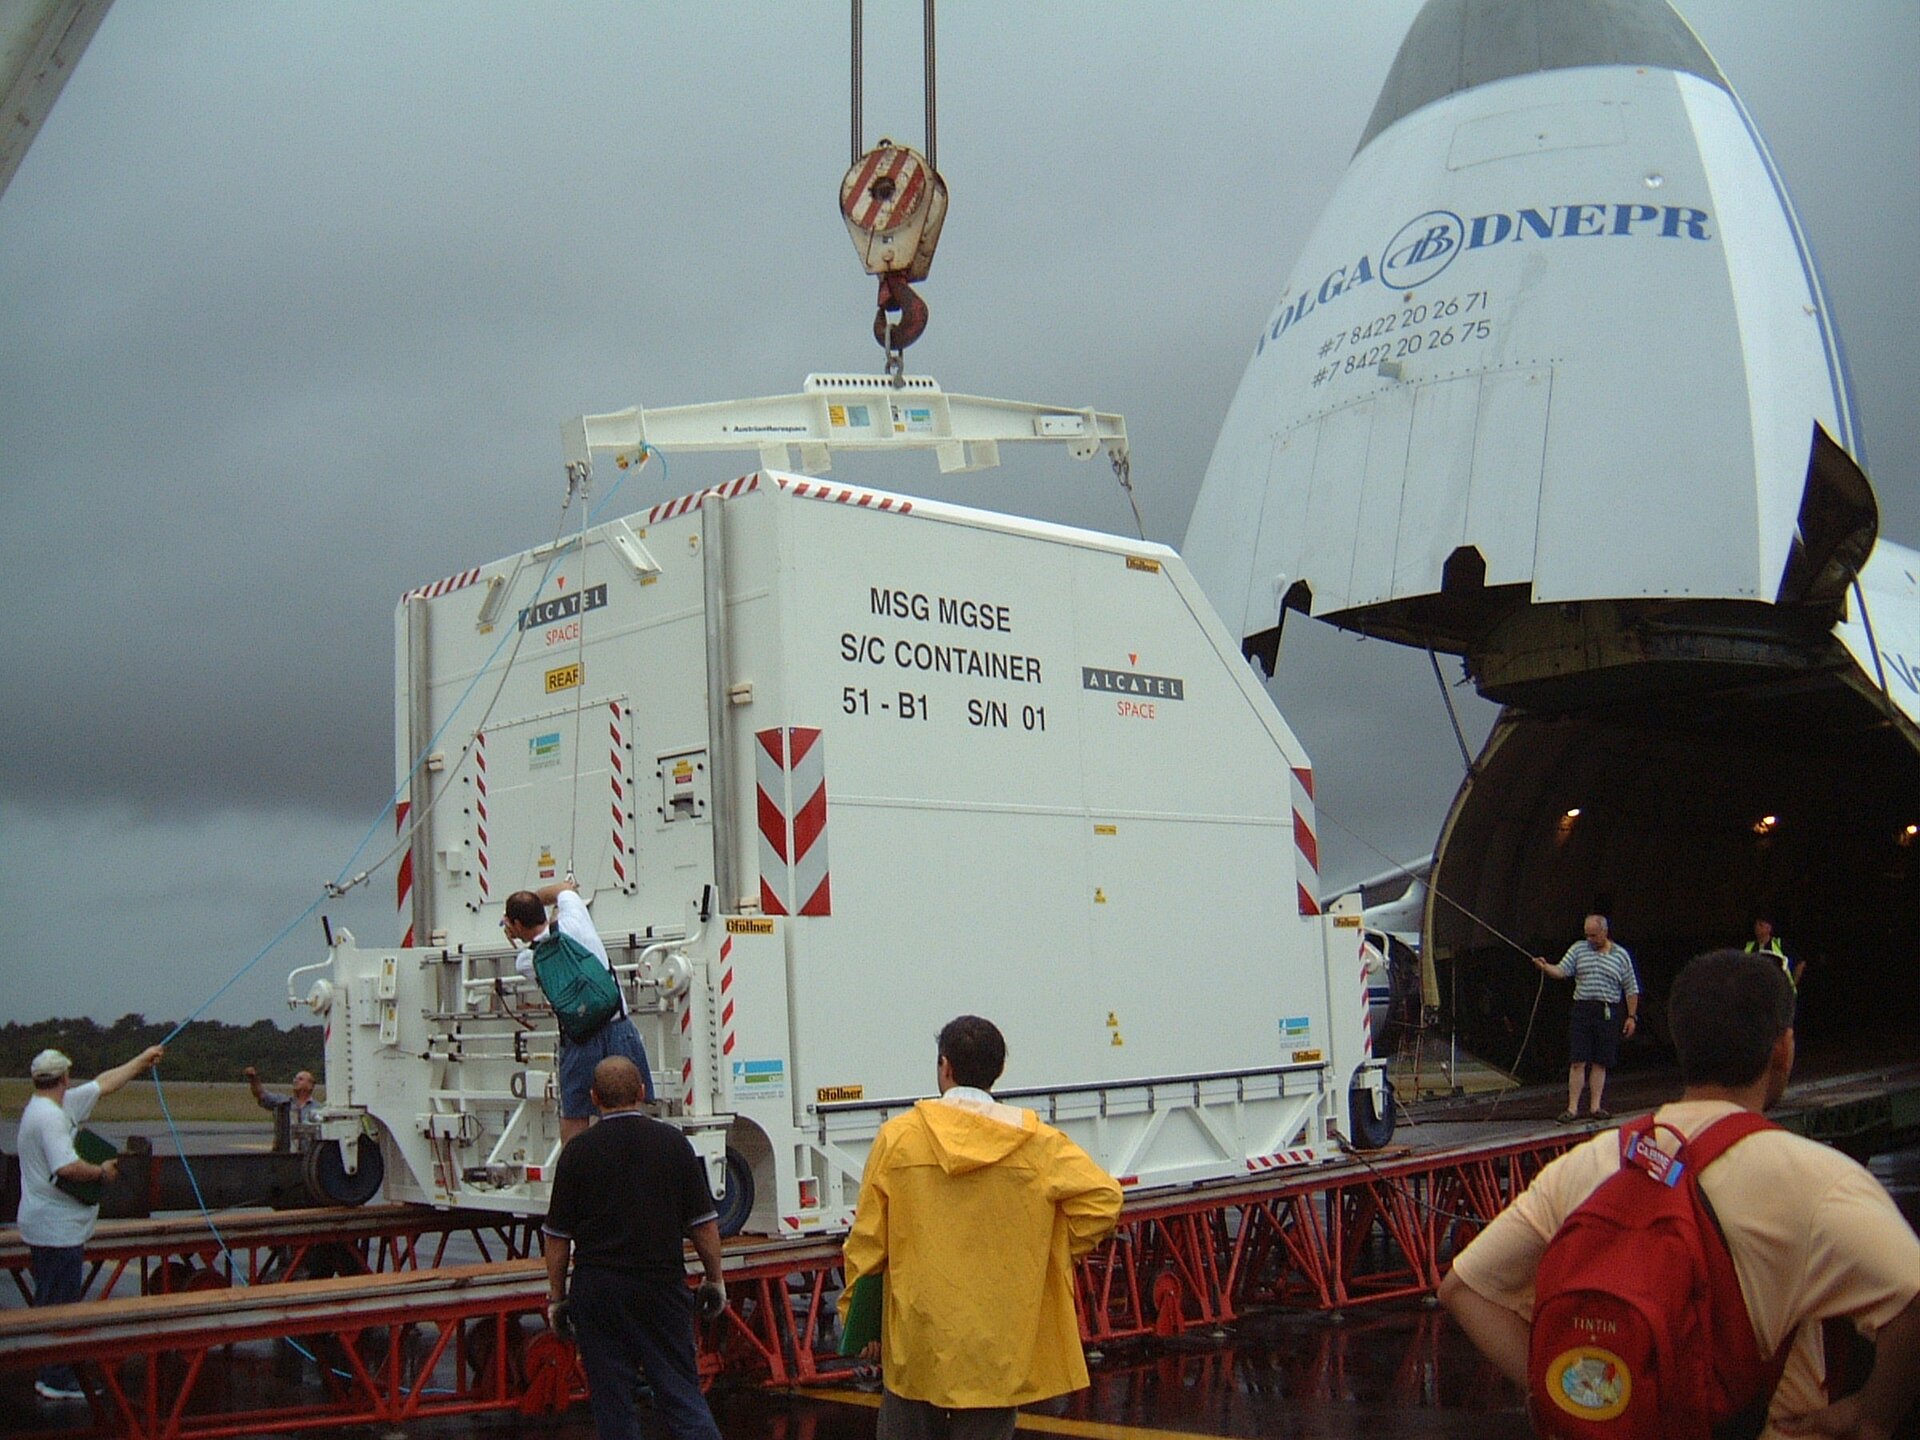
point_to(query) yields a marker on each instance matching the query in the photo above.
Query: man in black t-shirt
(626, 1195)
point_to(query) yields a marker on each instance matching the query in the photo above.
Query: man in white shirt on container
(54, 1224)
(526, 923)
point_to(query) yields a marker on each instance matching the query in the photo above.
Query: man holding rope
(1606, 1005)
(54, 1223)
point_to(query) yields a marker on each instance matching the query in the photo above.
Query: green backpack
(580, 989)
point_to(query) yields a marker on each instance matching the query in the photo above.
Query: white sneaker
(57, 1392)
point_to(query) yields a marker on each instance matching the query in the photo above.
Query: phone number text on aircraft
(1415, 328)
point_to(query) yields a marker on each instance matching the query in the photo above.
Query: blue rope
(647, 452)
(268, 949)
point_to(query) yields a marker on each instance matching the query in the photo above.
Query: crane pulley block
(894, 203)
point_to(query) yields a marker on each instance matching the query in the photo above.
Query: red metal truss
(400, 1343)
(1326, 1238)
(266, 1247)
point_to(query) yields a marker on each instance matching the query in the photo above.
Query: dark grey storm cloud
(294, 298)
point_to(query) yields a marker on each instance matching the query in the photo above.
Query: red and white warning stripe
(770, 783)
(403, 881)
(841, 495)
(444, 587)
(726, 997)
(790, 772)
(812, 881)
(483, 848)
(1305, 841)
(1278, 1160)
(617, 778)
(686, 1062)
(732, 489)
(1373, 961)
(872, 212)
(1366, 1000)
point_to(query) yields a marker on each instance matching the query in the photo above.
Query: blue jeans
(620, 1320)
(578, 1057)
(59, 1278)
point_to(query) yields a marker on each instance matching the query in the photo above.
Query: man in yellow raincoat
(975, 1212)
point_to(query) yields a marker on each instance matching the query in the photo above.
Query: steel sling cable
(581, 593)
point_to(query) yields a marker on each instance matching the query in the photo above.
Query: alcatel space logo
(1426, 245)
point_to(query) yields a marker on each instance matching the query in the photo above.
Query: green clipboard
(862, 1326)
(95, 1150)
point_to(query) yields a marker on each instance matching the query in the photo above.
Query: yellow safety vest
(1774, 948)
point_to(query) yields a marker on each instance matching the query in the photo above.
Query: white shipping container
(922, 761)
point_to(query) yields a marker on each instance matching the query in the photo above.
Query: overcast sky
(294, 298)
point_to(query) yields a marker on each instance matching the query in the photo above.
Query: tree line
(204, 1050)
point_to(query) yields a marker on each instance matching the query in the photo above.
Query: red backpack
(1639, 1327)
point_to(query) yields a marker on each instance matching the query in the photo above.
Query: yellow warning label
(1099, 896)
(749, 927)
(839, 1094)
(1141, 562)
(1113, 1021)
(682, 770)
(1346, 922)
(1306, 1057)
(1106, 829)
(1116, 1038)
(565, 678)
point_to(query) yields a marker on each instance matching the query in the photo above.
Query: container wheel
(737, 1203)
(326, 1173)
(1370, 1131)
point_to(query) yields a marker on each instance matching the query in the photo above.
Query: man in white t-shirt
(55, 1225)
(526, 923)
(1812, 1234)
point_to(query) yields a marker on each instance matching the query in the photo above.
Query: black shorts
(1593, 1035)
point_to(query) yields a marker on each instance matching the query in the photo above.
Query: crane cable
(579, 481)
(894, 202)
(928, 67)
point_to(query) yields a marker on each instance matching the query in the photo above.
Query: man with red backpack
(1665, 1280)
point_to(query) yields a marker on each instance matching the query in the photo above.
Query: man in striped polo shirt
(1606, 1004)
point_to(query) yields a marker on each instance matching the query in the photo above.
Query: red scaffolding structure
(404, 1337)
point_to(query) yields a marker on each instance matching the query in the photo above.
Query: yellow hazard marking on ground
(1039, 1424)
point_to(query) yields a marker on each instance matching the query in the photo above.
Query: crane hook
(897, 297)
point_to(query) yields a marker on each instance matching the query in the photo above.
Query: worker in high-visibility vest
(1765, 942)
